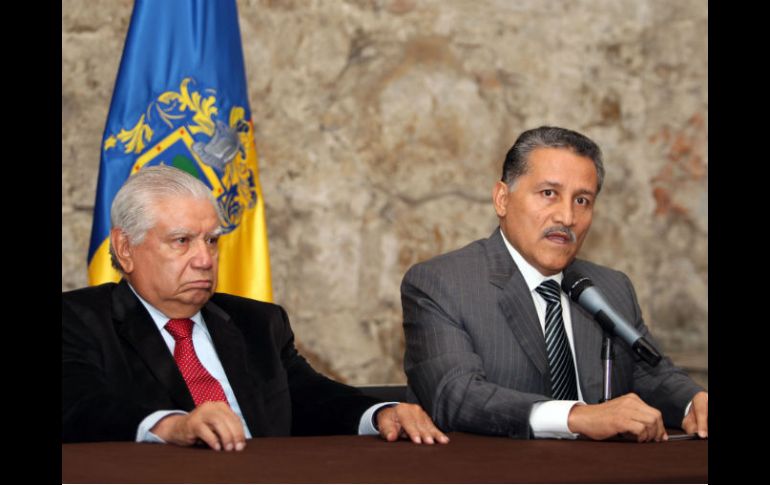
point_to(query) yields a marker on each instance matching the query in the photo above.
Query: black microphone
(582, 291)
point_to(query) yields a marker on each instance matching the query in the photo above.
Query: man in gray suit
(485, 332)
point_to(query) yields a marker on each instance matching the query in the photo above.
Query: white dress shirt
(207, 354)
(548, 419)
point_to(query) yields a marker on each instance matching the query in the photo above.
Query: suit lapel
(588, 346)
(135, 326)
(231, 350)
(516, 302)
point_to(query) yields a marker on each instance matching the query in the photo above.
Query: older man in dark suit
(494, 346)
(161, 357)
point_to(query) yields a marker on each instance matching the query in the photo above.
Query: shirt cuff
(143, 433)
(366, 425)
(548, 419)
(687, 409)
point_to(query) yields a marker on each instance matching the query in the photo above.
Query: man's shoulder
(239, 304)
(458, 258)
(92, 305)
(597, 272)
(89, 294)
(256, 319)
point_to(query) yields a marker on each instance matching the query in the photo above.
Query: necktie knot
(550, 291)
(180, 328)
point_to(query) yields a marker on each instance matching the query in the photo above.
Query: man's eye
(583, 201)
(213, 240)
(181, 240)
(548, 192)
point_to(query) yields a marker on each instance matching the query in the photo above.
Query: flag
(180, 99)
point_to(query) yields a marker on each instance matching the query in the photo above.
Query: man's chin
(197, 296)
(556, 265)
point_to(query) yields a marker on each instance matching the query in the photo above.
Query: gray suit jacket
(475, 352)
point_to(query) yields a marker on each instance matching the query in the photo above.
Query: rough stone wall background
(381, 127)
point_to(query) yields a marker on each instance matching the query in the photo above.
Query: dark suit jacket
(475, 352)
(116, 369)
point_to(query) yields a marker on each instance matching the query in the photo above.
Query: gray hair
(516, 160)
(132, 207)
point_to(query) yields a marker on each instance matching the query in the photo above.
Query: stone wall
(381, 127)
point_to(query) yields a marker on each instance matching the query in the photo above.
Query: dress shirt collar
(158, 317)
(532, 276)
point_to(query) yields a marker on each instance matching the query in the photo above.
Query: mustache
(562, 230)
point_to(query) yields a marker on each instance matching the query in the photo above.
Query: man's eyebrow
(180, 231)
(585, 192)
(558, 185)
(549, 183)
(183, 232)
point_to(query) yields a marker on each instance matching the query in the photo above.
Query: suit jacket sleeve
(665, 386)
(320, 406)
(94, 408)
(444, 372)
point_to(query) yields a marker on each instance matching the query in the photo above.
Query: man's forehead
(186, 230)
(180, 201)
(184, 214)
(559, 167)
(174, 207)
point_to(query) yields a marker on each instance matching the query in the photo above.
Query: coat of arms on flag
(206, 148)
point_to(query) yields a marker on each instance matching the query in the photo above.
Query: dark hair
(516, 159)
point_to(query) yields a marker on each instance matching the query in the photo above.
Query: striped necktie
(563, 382)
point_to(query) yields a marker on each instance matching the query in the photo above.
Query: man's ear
(122, 248)
(500, 198)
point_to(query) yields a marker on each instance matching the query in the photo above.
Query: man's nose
(565, 213)
(203, 255)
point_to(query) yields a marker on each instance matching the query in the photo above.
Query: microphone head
(574, 283)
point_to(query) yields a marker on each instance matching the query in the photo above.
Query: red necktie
(202, 385)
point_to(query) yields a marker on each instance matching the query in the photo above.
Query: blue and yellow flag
(180, 99)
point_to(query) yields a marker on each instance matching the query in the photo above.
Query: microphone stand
(608, 355)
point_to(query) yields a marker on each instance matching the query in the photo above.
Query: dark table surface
(351, 459)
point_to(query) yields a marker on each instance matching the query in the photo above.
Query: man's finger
(438, 435)
(700, 406)
(688, 423)
(205, 433)
(222, 428)
(389, 427)
(430, 433)
(411, 430)
(703, 427)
